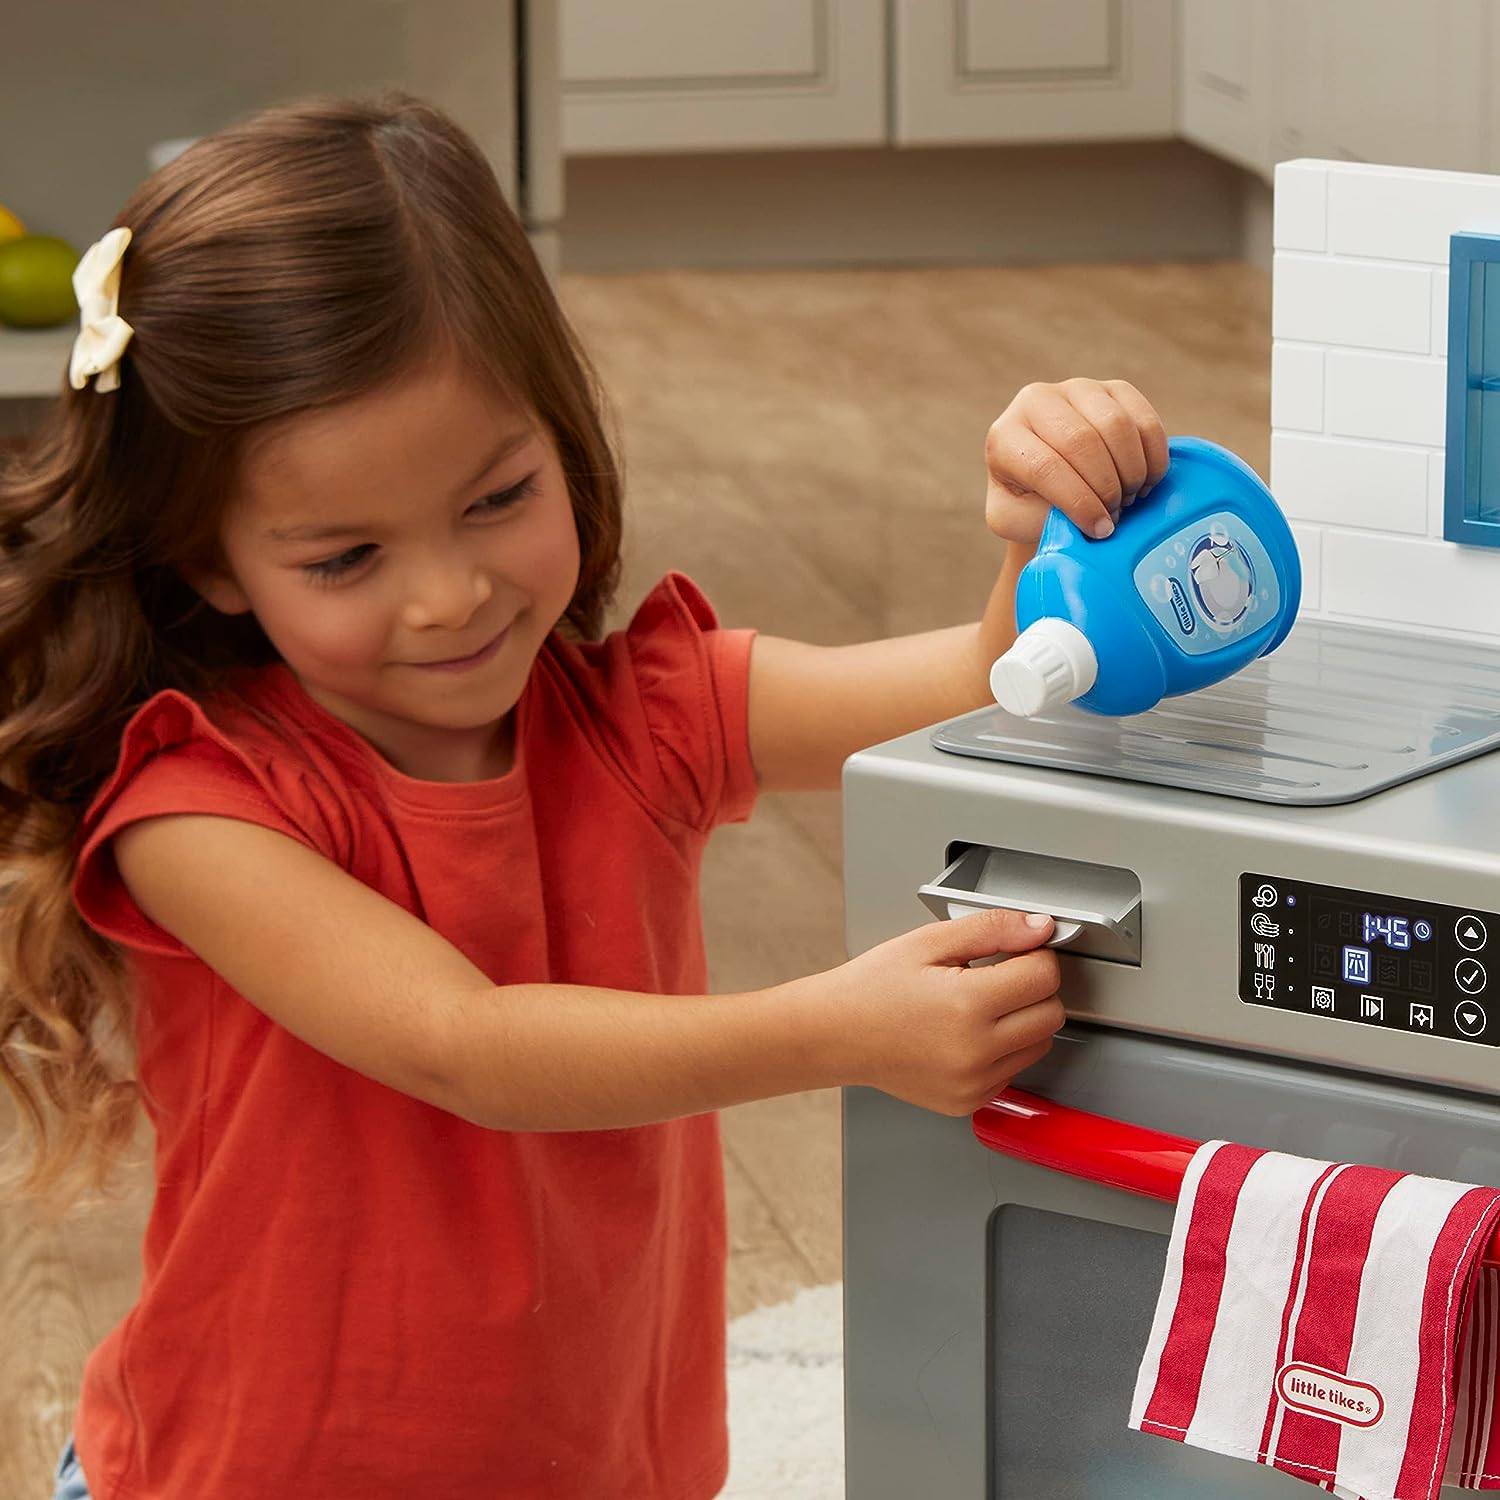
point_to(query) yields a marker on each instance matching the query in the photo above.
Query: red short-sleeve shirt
(349, 1292)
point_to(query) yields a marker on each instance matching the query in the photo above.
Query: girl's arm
(362, 980)
(1086, 447)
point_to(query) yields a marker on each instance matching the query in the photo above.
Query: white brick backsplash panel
(1404, 581)
(1386, 396)
(1300, 207)
(1437, 476)
(1406, 214)
(1350, 483)
(1309, 542)
(1440, 312)
(1322, 300)
(1296, 386)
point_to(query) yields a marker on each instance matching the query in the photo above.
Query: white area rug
(786, 1399)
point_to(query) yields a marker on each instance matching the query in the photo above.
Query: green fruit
(36, 281)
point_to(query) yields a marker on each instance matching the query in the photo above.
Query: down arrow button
(1469, 1018)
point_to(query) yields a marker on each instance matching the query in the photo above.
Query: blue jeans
(70, 1481)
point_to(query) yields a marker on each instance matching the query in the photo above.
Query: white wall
(1358, 391)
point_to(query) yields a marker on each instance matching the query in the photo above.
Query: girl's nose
(446, 594)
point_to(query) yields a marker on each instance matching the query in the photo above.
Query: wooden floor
(809, 447)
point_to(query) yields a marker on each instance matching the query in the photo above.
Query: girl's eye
(331, 569)
(502, 499)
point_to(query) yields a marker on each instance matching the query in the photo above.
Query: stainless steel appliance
(1278, 909)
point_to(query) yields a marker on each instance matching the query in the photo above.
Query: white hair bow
(103, 333)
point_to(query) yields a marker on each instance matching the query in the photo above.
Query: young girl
(338, 836)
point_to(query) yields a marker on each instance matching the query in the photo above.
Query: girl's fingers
(1119, 432)
(1148, 426)
(1032, 464)
(1086, 447)
(1053, 415)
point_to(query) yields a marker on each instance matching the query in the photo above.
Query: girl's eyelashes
(332, 569)
(501, 499)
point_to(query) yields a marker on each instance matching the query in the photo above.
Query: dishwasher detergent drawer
(1096, 908)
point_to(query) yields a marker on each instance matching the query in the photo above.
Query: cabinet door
(675, 75)
(1014, 70)
(1388, 81)
(1297, 48)
(1223, 86)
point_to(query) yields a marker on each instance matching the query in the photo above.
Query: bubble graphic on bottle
(1223, 578)
(1161, 589)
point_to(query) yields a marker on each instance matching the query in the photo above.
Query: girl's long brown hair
(297, 260)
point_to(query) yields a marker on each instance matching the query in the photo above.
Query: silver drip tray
(1335, 713)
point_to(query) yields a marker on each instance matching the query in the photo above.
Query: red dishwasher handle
(1098, 1149)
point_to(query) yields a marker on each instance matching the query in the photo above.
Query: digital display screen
(1367, 957)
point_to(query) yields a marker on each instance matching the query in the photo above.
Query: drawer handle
(1096, 909)
(1098, 1149)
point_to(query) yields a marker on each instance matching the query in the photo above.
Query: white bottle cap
(1051, 663)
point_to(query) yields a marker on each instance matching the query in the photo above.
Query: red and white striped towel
(1332, 1321)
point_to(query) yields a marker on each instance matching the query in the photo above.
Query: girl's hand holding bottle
(1088, 447)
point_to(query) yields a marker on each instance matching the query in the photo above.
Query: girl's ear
(220, 590)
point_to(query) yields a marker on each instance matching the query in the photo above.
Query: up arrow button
(1470, 932)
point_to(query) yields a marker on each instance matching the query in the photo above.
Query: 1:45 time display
(1395, 932)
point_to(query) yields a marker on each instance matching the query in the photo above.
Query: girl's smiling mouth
(463, 663)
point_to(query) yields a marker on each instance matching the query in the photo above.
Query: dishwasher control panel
(1373, 959)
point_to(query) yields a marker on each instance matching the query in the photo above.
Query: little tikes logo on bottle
(1325, 1393)
(1184, 609)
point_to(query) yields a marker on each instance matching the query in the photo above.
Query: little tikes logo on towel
(1326, 1394)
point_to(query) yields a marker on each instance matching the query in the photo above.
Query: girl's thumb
(987, 934)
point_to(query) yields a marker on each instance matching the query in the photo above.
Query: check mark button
(1469, 976)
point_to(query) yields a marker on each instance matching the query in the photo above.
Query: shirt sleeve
(693, 679)
(172, 760)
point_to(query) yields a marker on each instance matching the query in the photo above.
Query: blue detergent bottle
(1197, 579)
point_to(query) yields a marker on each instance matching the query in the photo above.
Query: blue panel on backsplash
(1471, 497)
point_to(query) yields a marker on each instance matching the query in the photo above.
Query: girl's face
(407, 554)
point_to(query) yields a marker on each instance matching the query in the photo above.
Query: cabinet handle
(1115, 1153)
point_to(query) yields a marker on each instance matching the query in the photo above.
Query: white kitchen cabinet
(1251, 78)
(671, 75)
(1260, 81)
(1224, 81)
(972, 71)
(1400, 83)
(1492, 103)
(1254, 81)
(1296, 52)
(686, 75)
